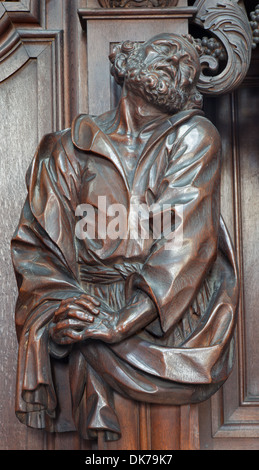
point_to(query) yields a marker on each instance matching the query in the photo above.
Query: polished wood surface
(147, 314)
(234, 410)
(224, 422)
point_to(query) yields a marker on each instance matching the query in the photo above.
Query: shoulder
(55, 154)
(85, 128)
(52, 141)
(199, 130)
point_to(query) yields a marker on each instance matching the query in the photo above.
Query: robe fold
(190, 273)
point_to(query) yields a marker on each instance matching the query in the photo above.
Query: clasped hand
(82, 318)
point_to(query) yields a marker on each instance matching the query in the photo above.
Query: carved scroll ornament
(142, 303)
(228, 23)
(225, 50)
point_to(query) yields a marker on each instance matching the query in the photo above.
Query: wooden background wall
(43, 85)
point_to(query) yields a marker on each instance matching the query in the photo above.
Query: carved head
(163, 70)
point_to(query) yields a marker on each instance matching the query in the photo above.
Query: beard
(157, 87)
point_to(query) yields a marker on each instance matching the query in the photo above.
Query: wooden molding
(24, 11)
(134, 14)
(137, 3)
(14, 15)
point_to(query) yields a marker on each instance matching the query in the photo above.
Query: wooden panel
(234, 410)
(31, 96)
(31, 106)
(25, 11)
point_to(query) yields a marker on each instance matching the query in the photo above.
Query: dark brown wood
(230, 418)
(234, 410)
(137, 3)
(159, 305)
(229, 23)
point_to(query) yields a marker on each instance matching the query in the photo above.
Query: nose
(172, 60)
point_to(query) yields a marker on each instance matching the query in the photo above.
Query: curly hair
(129, 56)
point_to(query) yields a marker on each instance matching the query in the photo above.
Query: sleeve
(44, 276)
(189, 193)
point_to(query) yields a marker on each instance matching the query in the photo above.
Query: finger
(73, 311)
(70, 335)
(91, 299)
(80, 335)
(68, 301)
(83, 298)
(67, 338)
(73, 336)
(88, 306)
(86, 303)
(62, 308)
(81, 315)
(66, 324)
(74, 303)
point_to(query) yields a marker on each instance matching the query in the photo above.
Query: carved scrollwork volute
(229, 23)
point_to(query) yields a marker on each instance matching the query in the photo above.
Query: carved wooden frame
(23, 11)
(243, 421)
(13, 14)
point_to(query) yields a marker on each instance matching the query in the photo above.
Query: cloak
(183, 356)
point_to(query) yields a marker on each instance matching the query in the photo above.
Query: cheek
(163, 86)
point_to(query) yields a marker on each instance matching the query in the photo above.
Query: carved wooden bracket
(229, 23)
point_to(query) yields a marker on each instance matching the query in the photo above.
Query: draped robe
(187, 352)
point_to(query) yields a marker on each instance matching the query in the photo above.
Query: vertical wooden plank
(165, 427)
(189, 427)
(128, 415)
(18, 114)
(144, 427)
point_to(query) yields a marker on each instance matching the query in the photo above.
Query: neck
(134, 114)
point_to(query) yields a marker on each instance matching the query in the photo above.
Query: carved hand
(74, 317)
(80, 319)
(116, 326)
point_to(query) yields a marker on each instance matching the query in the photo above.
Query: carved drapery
(21, 39)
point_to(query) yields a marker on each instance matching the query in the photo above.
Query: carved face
(163, 72)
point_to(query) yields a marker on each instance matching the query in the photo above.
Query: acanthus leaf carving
(229, 24)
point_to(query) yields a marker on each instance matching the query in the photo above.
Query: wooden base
(154, 427)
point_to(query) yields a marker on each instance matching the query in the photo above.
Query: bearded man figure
(149, 319)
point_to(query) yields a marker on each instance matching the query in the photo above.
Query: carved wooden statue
(125, 269)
